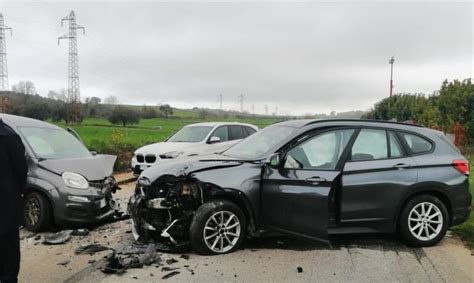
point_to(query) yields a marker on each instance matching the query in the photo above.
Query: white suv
(194, 139)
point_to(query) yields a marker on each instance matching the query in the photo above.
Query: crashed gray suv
(308, 179)
(67, 185)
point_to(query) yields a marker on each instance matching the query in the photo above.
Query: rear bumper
(461, 215)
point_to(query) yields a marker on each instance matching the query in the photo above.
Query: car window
(395, 147)
(320, 152)
(248, 131)
(235, 133)
(416, 143)
(221, 133)
(370, 145)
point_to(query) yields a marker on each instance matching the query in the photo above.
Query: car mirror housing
(214, 139)
(274, 160)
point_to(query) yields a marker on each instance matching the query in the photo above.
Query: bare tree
(111, 100)
(25, 87)
(58, 95)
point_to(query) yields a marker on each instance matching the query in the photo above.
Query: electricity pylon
(73, 91)
(3, 55)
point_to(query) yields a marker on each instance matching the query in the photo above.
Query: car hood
(186, 166)
(94, 168)
(164, 147)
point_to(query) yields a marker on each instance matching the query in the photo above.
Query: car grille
(97, 184)
(150, 158)
(140, 158)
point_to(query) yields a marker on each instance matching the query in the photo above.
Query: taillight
(462, 166)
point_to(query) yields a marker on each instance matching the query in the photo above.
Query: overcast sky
(300, 57)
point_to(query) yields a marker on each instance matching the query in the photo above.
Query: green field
(97, 132)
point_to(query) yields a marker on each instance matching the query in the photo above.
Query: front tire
(38, 212)
(218, 227)
(423, 221)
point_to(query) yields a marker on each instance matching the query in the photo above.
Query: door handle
(402, 166)
(315, 180)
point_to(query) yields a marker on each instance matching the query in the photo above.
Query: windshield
(50, 143)
(191, 134)
(260, 143)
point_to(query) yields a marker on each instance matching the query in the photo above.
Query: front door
(296, 195)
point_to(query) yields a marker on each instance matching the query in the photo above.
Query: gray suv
(308, 179)
(67, 185)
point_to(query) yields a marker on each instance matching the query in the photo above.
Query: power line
(3, 54)
(74, 95)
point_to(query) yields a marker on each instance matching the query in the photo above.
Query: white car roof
(216, 124)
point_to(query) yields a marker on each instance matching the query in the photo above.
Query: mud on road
(351, 258)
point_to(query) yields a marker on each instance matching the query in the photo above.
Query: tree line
(451, 109)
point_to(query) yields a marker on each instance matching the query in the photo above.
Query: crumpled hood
(184, 167)
(94, 168)
(164, 147)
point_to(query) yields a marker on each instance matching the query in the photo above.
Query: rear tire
(423, 221)
(218, 227)
(38, 214)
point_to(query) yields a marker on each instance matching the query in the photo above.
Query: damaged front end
(162, 211)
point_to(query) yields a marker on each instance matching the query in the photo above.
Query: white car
(191, 140)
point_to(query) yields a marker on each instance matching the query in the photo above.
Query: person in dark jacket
(13, 173)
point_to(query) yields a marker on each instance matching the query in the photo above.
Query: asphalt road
(361, 258)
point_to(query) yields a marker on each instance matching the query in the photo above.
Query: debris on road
(169, 275)
(80, 232)
(64, 262)
(300, 269)
(57, 238)
(90, 249)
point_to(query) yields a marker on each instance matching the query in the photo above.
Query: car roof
(19, 121)
(216, 124)
(349, 122)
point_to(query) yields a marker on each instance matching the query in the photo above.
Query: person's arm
(16, 151)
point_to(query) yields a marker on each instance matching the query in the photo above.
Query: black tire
(203, 214)
(44, 212)
(407, 236)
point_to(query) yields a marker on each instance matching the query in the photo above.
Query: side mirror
(274, 160)
(94, 153)
(214, 139)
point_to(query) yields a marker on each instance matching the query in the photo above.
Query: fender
(428, 187)
(236, 196)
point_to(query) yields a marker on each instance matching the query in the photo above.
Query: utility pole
(253, 109)
(73, 92)
(241, 97)
(3, 55)
(266, 109)
(392, 60)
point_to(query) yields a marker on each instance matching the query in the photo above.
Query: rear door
(376, 175)
(295, 196)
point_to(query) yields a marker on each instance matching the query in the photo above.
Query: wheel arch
(45, 189)
(239, 199)
(436, 191)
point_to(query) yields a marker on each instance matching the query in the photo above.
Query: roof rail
(364, 120)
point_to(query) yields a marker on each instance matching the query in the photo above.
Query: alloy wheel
(222, 231)
(425, 221)
(32, 211)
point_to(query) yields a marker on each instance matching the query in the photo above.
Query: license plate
(102, 203)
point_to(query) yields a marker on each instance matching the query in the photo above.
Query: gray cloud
(299, 57)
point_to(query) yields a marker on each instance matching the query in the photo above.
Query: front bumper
(94, 212)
